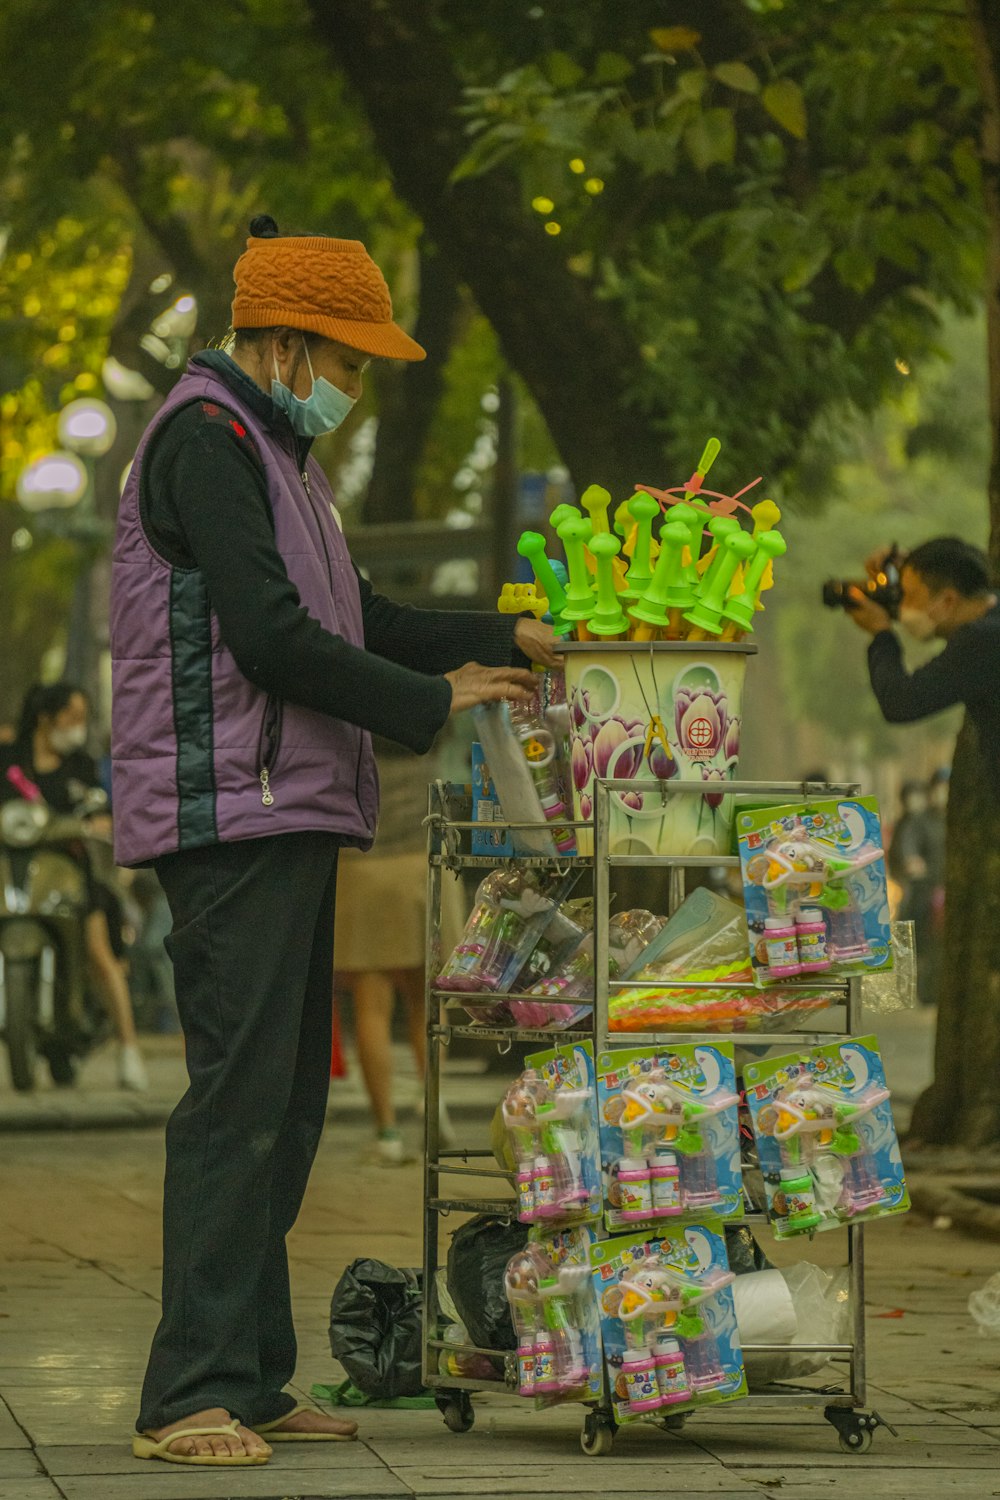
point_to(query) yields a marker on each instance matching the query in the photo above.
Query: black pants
(252, 949)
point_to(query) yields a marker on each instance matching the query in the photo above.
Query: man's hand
(871, 617)
(538, 641)
(474, 684)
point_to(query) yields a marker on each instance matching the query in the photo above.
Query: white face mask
(65, 741)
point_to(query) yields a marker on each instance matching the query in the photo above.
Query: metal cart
(449, 828)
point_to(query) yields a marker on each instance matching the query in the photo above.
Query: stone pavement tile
(289, 1458)
(858, 1482)
(39, 1488)
(18, 1463)
(583, 1476)
(976, 1416)
(74, 1414)
(797, 1447)
(261, 1482)
(11, 1434)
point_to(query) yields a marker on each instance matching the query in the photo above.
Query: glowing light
(902, 367)
(55, 482)
(553, 228)
(593, 186)
(87, 426)
(578, 165)
(542, 205)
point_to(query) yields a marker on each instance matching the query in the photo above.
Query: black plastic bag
(477, 1259)
(375, 1328)
(745, 1254)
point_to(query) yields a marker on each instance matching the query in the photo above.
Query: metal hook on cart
(502, 1050)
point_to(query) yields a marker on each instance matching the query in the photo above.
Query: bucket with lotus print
(656, 711)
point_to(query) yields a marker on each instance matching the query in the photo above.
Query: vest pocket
(268, 747)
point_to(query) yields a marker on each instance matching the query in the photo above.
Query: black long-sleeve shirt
(205, 505)
(966, 671)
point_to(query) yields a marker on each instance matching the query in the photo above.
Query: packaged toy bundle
(705, 941)
(815, 888)
(550, 1115)
(628, 934)
(527, 748)
(825, 1136)
(669, 1133)
(668, 1322)
(567, 931)
(513, 908)
(486, 810)
(555, 1315)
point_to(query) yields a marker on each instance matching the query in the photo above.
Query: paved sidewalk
(79, 1249)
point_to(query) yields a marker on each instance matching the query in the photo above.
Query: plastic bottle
(671, 1374)
(665, 1184)
(546, 1369)
(526, 1365)
(635, 1182)
(801, 1212)
(782, 948)
(810, 930)
(525, 1194)
(701, 1353)
(544, 1190)
(639, 1370)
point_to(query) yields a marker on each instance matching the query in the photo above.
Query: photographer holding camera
(941, 589)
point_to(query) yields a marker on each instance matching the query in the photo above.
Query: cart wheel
(458, 1412)
(598, 1436)
(858, 1440)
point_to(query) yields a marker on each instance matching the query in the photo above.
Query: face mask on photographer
(65, 741)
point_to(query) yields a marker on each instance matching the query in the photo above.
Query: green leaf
(691, 85)
(612, 67)
(562, 71)
(674, 38)
(855, 268)
(736, 75)
(784, 102)
(711, 138)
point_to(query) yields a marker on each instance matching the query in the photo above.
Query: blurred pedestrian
(381, 940)
(49, 756)
(251, 663)
(916, 860)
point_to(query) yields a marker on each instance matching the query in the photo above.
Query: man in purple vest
(251, 664)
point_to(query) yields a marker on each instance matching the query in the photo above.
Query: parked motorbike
(45, 1004)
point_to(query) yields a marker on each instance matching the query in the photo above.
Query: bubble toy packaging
(550, 1114)
(555, 1313)
(815, 888)
(669, 1134)
(513, 908)
(826, 1138)
(668, 1321)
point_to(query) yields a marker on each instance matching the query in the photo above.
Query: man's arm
(904, 696)
(212, 495)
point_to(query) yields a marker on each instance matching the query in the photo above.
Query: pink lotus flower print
(662, 764)
(608, 738)
(582, 761)
(731, 742)
(700, 722)
(712, 799)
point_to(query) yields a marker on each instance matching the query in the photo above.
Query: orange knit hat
(329, 287)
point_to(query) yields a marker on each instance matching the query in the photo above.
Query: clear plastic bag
(892, 989)
(800, 1304)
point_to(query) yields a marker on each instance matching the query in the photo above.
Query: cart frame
(447, 836)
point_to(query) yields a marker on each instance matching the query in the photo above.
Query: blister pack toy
(550, 1115)
(527, 748)
(628, 934)
(668, 1322)
(826, 1139)
(512, 910)
(815, 889)
(555, 1313)
(669, 1134)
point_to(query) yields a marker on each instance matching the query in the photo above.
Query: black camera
(885, 588)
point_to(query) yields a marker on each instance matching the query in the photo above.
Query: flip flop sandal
(269, 1429)
(147, 1447)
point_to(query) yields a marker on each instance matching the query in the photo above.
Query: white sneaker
(131, 1068)
(389, 1150)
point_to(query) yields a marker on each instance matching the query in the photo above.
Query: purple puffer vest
(200, 755)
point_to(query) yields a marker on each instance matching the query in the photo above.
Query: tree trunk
(408, 398)
(572, 350)
(962, 1106)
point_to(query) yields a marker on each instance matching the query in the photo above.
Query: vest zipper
(268, 745)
